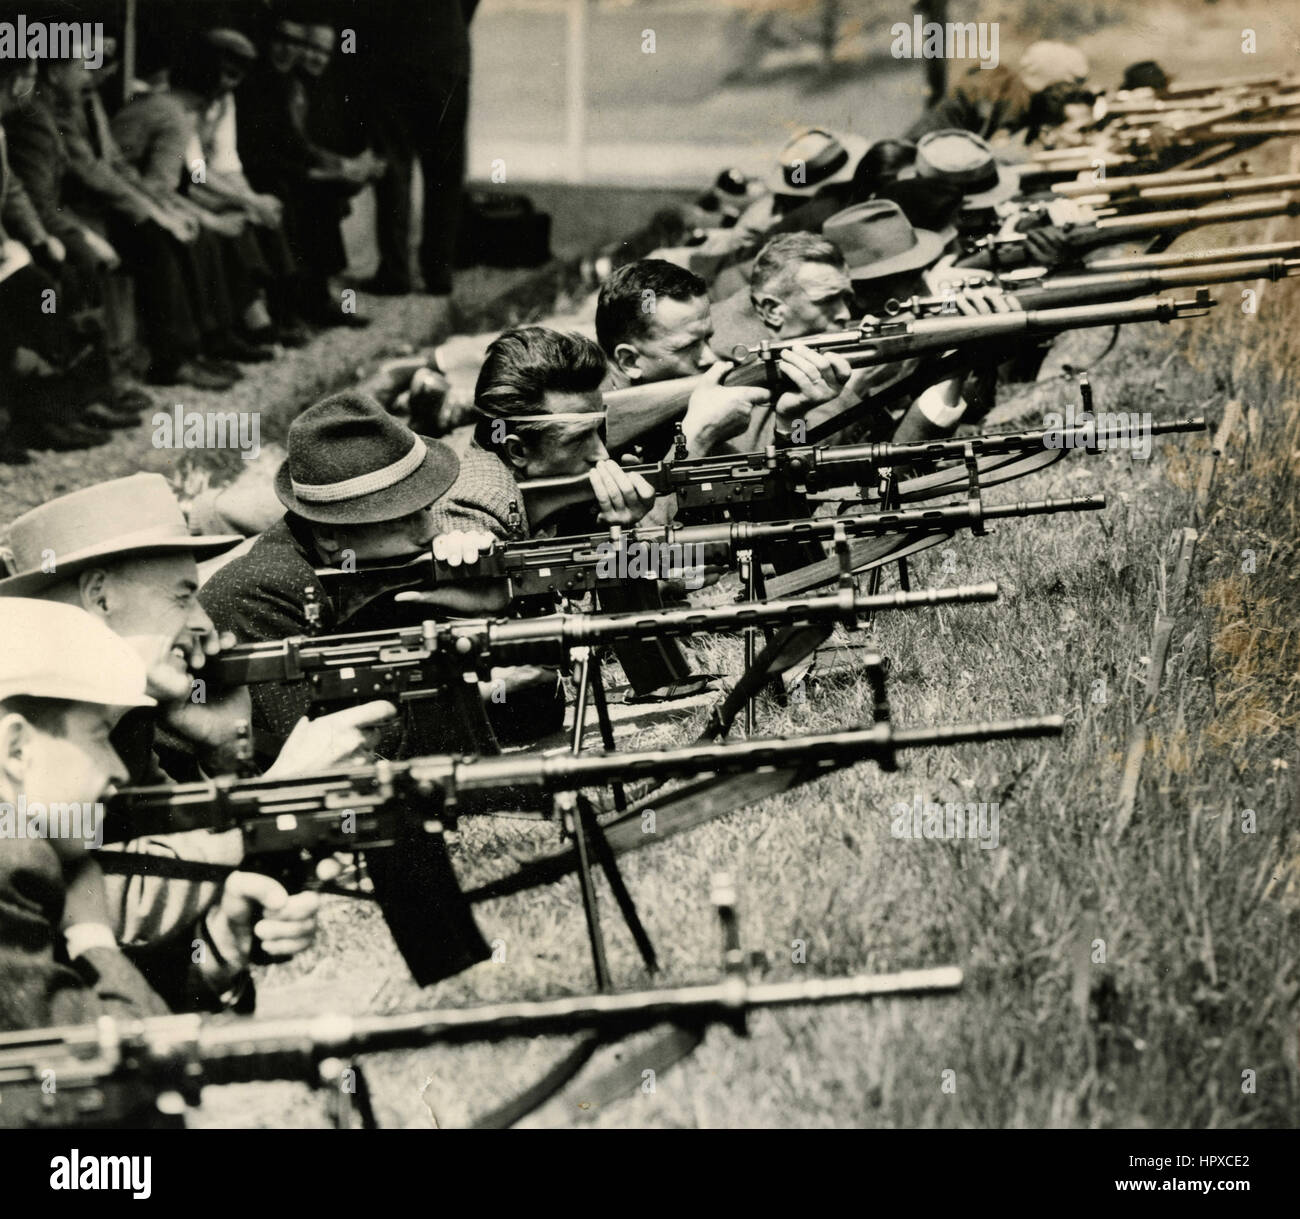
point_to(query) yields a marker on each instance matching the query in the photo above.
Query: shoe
(65, 437)
(223, 368)
(98, 413)
(128, 396)
(189, 373)
(326, 316)
(384, 285)
(283, 335)
(232, 347)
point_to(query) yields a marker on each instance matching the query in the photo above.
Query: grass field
(1120, 972)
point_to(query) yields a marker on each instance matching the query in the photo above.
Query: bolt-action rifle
(1012, 249)
(876, 341)
(1091, 287)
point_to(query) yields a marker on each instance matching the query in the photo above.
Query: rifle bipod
(576, 814)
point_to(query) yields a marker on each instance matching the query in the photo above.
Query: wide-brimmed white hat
(52, 650)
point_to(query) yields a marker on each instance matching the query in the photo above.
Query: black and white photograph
(650, 565)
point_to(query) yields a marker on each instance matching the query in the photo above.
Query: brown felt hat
(878, 240)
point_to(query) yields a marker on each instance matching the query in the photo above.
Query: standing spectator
(420, 74)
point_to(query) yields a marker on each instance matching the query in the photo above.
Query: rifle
(1117, 230)
(393, 663)
(1177, 89)
(876, 341)
(1131, 185)
(360, 807)
(113, 1073)
(572, 565)
(734, 480)
(394, 807)
(1191, 258)
(1057, 291)
(1200, 192)
(1141, 111)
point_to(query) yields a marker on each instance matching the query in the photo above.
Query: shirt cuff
(80, 938)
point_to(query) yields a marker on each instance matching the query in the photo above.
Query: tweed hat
(351, 463)
(878, 240)
(130, 516)
(814, 159)
(962, 159)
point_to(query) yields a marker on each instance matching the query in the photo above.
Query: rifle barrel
(1136, 182)
(1187, 258)
(435, 781)
(1228, 188)
(548, 638)
(169, 1051)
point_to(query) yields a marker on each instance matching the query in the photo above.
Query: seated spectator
(38, 405)
(205, 81)
(149, 234)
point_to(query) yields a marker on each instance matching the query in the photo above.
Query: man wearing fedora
(816, 164)
(888, 260)
(358, 488)
(121, 551)
(65, 680)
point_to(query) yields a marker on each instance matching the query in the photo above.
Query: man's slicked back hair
(774, 268)
(524, 365)
(622, 315)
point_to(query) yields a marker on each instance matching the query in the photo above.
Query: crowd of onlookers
(172, 229)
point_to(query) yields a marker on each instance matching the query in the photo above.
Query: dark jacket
(38, 157)
(153, 131)
(482, 494)
(38, 985)
(20, 218)
(263, 595)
